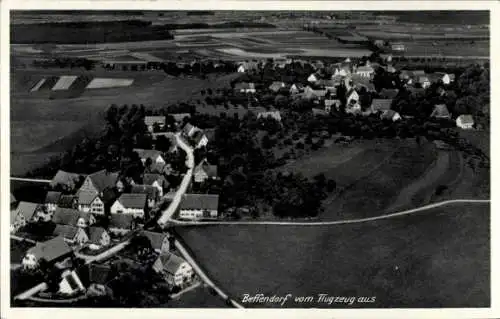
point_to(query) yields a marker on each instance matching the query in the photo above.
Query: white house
(176, 271)
(465, 122)
(351, 95)
(365, 71)
(150, 122)
(70, 283)
(313, 78)
(130, 204)
(199, 206)
(52, 251)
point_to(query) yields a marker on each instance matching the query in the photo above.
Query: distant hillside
(443, 17)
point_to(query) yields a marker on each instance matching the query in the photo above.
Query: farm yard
(437, 258)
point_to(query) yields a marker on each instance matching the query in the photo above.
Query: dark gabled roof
(86, 197)
(69, 216)
(276, 86)
(155, 168)
(210, 170)
(388, 114)
(389, 93)
(187, 128)
(466, 118)
(66, 201)
(440, 110)
(51, 249)
(151, 120)
(178, 117)
(66, 231)
(152, 154)
(155, 238)
(169, 262)
(52, 197)
(123, 221)
(27, 209)
(65, 178)
(270, 114)
(103, 179)
(136, 200)
(197, 136)
(200, 201)
(381, 104)
(99, 273)
(149, 179)
(150, 191)
(95, 234)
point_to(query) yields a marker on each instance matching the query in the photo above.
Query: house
(188, 130)
(351, 95)
(70, 283)
(51, 251)
(51, 200)
(332, 103)
(390, 115)
(73, 217)
(179, 117)
(365, 71)
(398, 47)
(441, 111)
(313, 78)
(151, 121)
(71, 234)
(156, 180)
(248, 66)
(270, 114)
(199, 139)
(276, 86)
(204, 171)
(389, 93)
(353, 107)
(159, 241)
(19, 217)
(90, 202)
(445, 78)
(130, 204)
(155, 155)
(176, 271)
(120, 224)
(465, 121)
(65, 181)
(296, 88)
(390, 69)
(98, 237)
(99, 181)
(381, 105)
(245, 87)
(150, 191)
(424, 81)
(310, 93)
(197, 206)
(68, 201)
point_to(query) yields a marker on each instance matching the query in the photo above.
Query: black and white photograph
(249, 158)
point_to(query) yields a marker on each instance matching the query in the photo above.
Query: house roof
(103, 179)
(187, 128)
(200, 201)
(133, 200)
(65, 178)
(296, 86)
(440, 110)
(381, 104)
(52, 197)
(197, 136)
(150, 191)
(210, 170)
(332, 102)
(66, 231)
(244, 86)
(27, 209)
(155, 168)
(422, 79)
(86, 197)
(66, 216)
(389, 93)
(466, 119)
(144, 154)
(155, 238)
(51, 249)
(418, 72)
(99, 273)
(274, 114)
(170, 262)
(151, 120)
(276, 86)
(365, 68)
(178, 117)
(149, 179)
(388, 114)
(122, 221)
(95, 234)
(66, 201)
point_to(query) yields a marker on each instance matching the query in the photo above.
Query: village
(89, 221)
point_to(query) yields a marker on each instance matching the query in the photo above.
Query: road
(174, 205)
(337, 222)
(20, 179)
(185, 254)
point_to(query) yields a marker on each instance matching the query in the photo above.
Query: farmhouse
(381, 105)
(130, 204)
(151, 121)
(90, 202)
(159, 241)
(156, 180)
(365, 71)
(72, 217)
(245, 87)
(155, 155)
(151, 192)
(188, 130)
(24, 213)
(68, 201)
(199, 139)
(197, 206)
(296, 88)
(70, 283)
(441, 111)
(399, 47)
(248, 66)
(52, 251)
(71, 234)
(332, 103)
(98, 237)
(465, 122)
(65, 180)
(270, 114)
(99, 181)
(424, 81)
(51, 200)
(120, 224)
(176, 271)
(204, 171)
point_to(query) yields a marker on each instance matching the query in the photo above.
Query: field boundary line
(338, 222)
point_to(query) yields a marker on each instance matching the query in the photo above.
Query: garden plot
(105, 83)
(64, 82)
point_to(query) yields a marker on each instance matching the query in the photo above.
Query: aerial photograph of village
(250, 159)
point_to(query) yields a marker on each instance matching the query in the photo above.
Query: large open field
(437, 258)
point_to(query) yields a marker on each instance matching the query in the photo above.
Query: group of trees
(65, 62)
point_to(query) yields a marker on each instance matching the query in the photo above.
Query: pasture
(436, 258)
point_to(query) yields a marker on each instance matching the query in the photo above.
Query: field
(437, 258)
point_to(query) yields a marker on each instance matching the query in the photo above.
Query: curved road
(337, 222)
